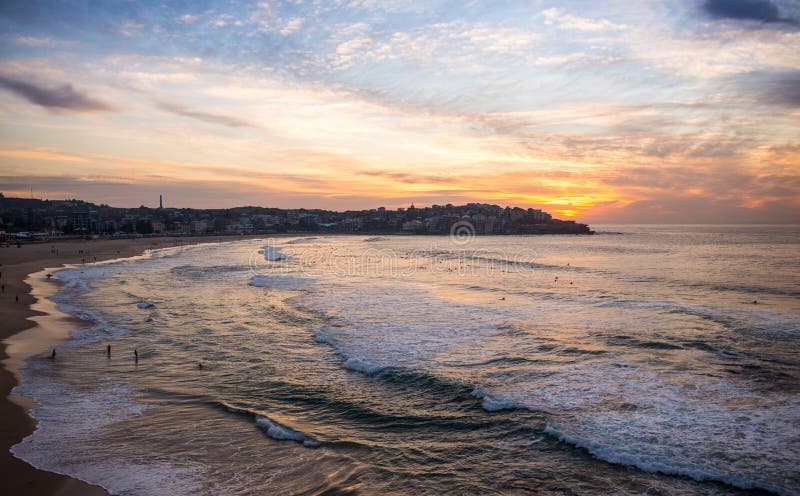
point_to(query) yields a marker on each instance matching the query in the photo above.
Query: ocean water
(634, 361)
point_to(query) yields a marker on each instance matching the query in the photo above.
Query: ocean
(644, 359)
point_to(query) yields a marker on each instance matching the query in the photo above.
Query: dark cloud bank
(747, 10)
(61, 97)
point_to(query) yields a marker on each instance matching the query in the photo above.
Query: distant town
(22, 218)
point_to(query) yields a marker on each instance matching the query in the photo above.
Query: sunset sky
(626, 111)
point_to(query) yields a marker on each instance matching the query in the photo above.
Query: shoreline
(33, 323)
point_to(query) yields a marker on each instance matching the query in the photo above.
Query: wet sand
(31, 325)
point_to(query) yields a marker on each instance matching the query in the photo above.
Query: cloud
(709, 55)
(784, 89)
(780, 88)
(752, 10)
(36, 42)
(574, 23)
(407, 178)
(40, 154)
(292, 25)
(223, 120)
(61, 97)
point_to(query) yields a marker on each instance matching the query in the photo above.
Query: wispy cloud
(59, 97)
(292, 25)
(408, 178)
(41, 42)
(209, 117)
(554, 16)
(41, 154)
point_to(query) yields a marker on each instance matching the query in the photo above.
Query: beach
(17, 264)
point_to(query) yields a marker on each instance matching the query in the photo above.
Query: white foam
(282, 433)
(272, 253)
(671, 422)
(100, 330)
(69, 423)
(750, 321)
(360, 365)
(493, 404)
(351, 363)
(322, 337)
(654, 464)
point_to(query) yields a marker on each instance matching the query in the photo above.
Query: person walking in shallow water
(53, 354)
(108, 351)
(136, 355)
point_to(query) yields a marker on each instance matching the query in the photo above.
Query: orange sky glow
(645, 113)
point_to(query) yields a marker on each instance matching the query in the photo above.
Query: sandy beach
(22, 312)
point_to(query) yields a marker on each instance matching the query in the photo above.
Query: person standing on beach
(53, 354)
(136, 355)
(108, 351)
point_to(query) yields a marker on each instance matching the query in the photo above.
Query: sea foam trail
(493, 404)
(702, 430)
(272, 428)
(755, 321)
(272, 253)
(280, 432)
(657, 465)
(275, 254)
(320, 336)
(364, 366)
(65, 439)
(100, 328)
(351, 363)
